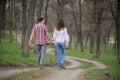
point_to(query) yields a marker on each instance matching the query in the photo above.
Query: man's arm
(48, 35)
(31, 37)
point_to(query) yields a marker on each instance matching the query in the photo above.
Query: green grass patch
(85, 65)
(12, 53)
(28, 73)
(107, 56)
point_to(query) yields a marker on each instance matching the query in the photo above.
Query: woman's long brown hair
(60, 24)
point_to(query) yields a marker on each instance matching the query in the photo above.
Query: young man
(41, 36)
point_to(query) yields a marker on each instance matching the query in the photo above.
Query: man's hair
(40, 19)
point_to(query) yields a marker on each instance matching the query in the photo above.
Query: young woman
(60, 37)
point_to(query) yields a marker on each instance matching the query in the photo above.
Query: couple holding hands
(42, 38)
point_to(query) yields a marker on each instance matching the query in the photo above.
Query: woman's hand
(67, 44)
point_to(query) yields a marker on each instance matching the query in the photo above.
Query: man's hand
(29, 44)
(31, 37)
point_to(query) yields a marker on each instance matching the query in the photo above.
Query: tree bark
(24, 5)
(46, 9)
(2, 16)
(60, 7)
(80, 27)
(118, 30)
(92, 31)
(40, 6)
(30, 23)
(10, 19)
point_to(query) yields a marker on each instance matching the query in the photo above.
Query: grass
(108, 57)
(85, 65)
(12, 53)
(28, 73)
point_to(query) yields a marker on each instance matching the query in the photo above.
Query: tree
(39, 7)
(24, 5)
(29, 26)
(92, 29)
(2, 16)
(80, 29)
(60, 7)
(117, 22)
(10, 18)
(46, 9)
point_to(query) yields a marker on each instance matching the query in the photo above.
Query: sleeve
(33, 30)
(54, 34)
(66, 36)
(46, 28)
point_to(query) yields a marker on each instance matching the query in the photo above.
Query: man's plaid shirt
(40, 33)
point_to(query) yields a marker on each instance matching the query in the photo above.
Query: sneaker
(59, 68)
(41, 67)
(62, 66)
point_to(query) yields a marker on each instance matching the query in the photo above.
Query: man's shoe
(41, 67)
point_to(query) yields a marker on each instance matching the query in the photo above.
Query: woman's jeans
(60, 49)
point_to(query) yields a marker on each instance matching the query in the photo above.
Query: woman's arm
(66, 38)
(54, 34)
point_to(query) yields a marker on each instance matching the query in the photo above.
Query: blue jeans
(60, 49)
(41, 51)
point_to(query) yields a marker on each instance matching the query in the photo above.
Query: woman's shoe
(62, 66)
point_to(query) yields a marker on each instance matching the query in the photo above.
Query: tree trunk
(92, 32)
(10, 19)
(118, 30)
(40, 6)
(16, 20)
(46, 9)
(30, 23)
(80, 27)
(2, 14)
(60, 7)
(24, 5)
(98, 31)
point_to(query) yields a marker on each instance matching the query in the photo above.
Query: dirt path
(9, 73)
(73, 74)
(70, 73)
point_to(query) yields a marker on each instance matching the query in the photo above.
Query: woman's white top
(61, 36)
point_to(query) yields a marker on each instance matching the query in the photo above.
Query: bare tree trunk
(46, 9)
(98, 30)
(118, 30)
(40, 6)
(77, 34)
(16, 19)
(10, 19)
(2, 14)
(60, 7)
(24, 5)
(80, 27)
(30, 23)
(92, 32)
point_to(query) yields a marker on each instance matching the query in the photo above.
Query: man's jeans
(41, 51)
(60, 49)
